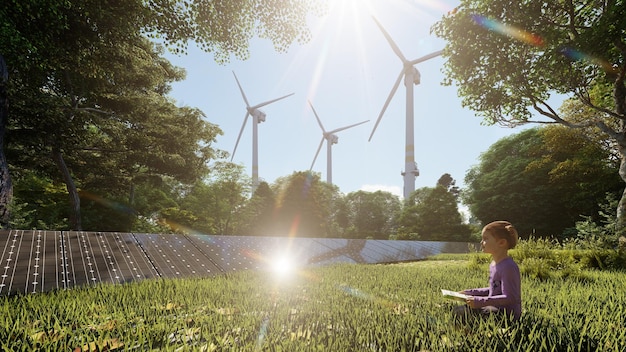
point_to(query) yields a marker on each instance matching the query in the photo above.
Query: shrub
(539, 255)
(538, 268)
(592, 235)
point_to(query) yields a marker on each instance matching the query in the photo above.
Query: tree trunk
(619, 95)
(75, 223)
(621, 207)
(131, 196)
(6, 187)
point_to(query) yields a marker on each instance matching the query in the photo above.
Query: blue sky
(347, 71)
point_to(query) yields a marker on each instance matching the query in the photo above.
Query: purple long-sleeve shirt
(504, 289)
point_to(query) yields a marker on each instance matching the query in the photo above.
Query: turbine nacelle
(411, 71)
(259, 115)
(331, 138)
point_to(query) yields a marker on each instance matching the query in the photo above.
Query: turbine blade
(245, 119)
(271, 101)
(317, 153)
(241, 89)
(426, 57)
(317, 117)
(345, 128)
(391, 42)
(393, 91)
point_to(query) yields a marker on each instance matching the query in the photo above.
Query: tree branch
(587, 101)
(571, 12)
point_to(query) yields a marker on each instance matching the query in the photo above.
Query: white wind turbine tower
(258, 116)
(331, 138)
(411, 77)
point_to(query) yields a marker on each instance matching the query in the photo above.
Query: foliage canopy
(507, 57)
(543, 180)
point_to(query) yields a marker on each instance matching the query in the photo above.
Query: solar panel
(129, 256)
(29, 261)
(40, 261)
(174, 255)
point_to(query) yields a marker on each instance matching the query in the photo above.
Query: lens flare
(580, 56)
(108, 203)
(536, 40)
(355, 292)
(182, 228)
(509, 31)
(262, 333)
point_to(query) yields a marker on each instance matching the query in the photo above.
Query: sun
(282, 266)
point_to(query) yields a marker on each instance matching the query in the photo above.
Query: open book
(454, 295)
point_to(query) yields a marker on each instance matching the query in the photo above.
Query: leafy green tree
(303, 205)
(216, 204)
(432, 214)
(508, 56)
(542, 179)
(446, 181)
(66, 59)
(330, 199)
(259, 212)
(63, 42)
(123, 124)
(41, 204)
(225, 27)
(371, 214)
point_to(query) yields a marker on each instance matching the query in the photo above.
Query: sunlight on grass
(337, 307)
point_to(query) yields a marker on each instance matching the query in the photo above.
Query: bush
(543, 258)
(592, 235)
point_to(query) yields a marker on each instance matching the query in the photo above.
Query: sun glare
(348, 31)
(282, 266)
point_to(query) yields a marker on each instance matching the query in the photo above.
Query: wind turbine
(258, 116)
(411, 77)
(331, 138)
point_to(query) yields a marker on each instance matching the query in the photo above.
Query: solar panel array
(41, 261)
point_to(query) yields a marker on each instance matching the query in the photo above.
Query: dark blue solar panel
(175, 255)
(40, 261)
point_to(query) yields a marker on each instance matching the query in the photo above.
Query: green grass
(335, 308)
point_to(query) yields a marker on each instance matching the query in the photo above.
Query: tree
(39, 202)
(446, 181)
(433, 214)
(121, 122)
(225, 27)
(259, 212)
(5, 178)
(216, 204)
(508, 56)
(52, 48)
(61, 52)
(371, 214)
(303, 205)
(542, 180)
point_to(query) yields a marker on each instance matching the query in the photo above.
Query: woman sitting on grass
(504, 295)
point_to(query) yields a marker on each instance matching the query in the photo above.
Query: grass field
(345, 307)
